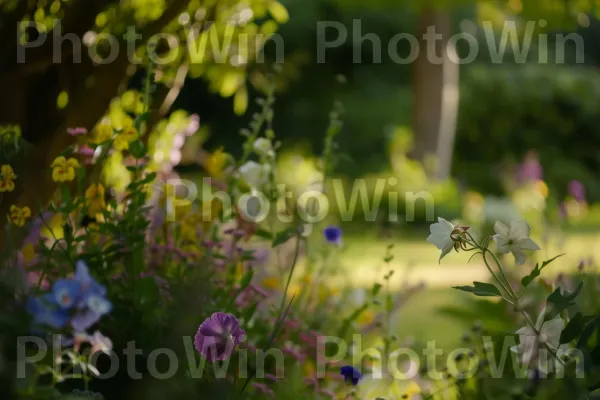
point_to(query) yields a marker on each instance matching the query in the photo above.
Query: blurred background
(489, 139)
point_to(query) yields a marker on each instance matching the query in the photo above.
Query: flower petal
(501, 229)
(519, 230)
(527, 244)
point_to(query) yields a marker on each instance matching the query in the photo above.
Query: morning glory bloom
(333, 234)
(218, 336)
(514, 239)
(350, 374)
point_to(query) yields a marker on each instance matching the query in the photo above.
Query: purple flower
(350, 374)
(77, 131)
(530, 170)
(218, 336)
(577, 190)
(333, 234)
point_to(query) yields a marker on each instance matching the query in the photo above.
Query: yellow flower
(309, 369)
(63, 170)
(128, 135)
(94, 198)
(271, 282)
(541, 187)
(367, 317)
(28, 252)
(19, 215)
(7, 179)
(104, 132)
(215, 163)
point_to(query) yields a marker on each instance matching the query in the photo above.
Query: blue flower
(350, 374)
(333, 234)
(46, 311)
(83, 320)
(89, 286)
(66, 292)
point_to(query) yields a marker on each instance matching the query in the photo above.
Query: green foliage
(508, 110)
(480, 289)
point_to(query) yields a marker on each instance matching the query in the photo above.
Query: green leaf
(536, 271)
(137, 149)
(557, 303)
(376, 288)
(480, 289)
(264, 234)
(573, 328)
(284, 236)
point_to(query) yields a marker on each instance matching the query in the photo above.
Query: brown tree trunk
(435, 91)
(30, 92)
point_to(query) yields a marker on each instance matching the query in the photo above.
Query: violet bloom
(333, 234)
(530, 170)
(350, 374)
(218, 336)
(577, 190)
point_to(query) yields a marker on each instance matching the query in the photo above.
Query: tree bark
(435, 91)
(30, 93)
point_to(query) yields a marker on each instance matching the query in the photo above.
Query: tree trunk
(30, 93)
(435, 86)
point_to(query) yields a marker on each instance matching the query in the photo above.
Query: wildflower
(104, 132)
(91, 301)
(530, 170)
(7, 178)
(99, 342)
(77, 131)
(333, 234)
(218, 336)
(216, 162)
(255, 174)
(546, 333)
(94, 198)
(63, 170)
(46, 312)
(66, 292)
(444, 236)
(350, 374)
(514, 239)
(577, 190)
(123, 139)
(19, 215)
(385, 386)
(263, 147)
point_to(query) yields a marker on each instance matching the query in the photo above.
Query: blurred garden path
(415, 261)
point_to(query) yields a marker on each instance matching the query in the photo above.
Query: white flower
(264, 147)
(100, 342)
(514, 239)
(441, 236)
(532, 340)
(255, 174)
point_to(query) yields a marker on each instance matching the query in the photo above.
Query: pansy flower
(19, 215)
(7, 178)
(94, 198)
(63, 170)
